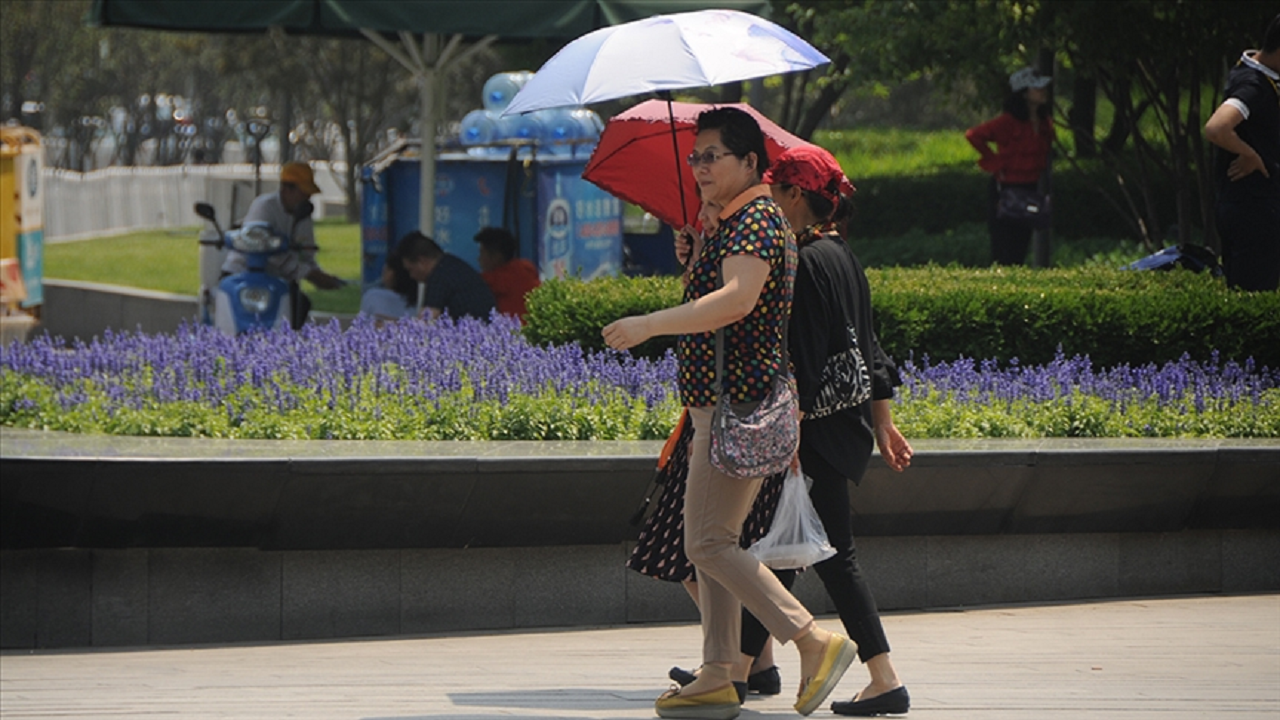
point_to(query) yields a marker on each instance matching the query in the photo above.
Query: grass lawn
(875, 152)
(168, 261)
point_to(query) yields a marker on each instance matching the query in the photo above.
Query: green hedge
(564, 311)
(969, 245)
(891, 206)
(1112, 316)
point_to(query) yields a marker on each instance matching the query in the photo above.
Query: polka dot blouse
(753, 345)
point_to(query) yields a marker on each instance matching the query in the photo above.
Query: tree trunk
(788, 87)
(1155, 231)
(1084, 114)
(1203, 164)
(731, 92)
(1177, 138)
(818, 110)
(797, 100)
(827, 97)
(1120, 95)
(349, 172)
(285, 128)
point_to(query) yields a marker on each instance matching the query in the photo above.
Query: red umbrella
(632, 160)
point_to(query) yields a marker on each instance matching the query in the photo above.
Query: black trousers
(840, 574)
(301, 304)
(1250, 232)
(1010, 239)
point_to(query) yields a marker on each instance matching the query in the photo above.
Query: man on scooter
(297, 185)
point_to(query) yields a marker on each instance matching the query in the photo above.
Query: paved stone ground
(1167, 658)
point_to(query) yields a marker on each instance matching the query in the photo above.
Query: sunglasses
(705, 158)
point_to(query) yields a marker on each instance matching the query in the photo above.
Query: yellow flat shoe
(839, 655)
(721, 704)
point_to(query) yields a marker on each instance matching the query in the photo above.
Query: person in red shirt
(509, 278)
(1023, 135)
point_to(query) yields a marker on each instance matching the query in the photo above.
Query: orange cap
(299, 175)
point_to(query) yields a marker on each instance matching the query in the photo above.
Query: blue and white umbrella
(665, 52)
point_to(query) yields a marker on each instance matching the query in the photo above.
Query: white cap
(1027, 78)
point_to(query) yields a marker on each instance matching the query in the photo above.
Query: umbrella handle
(675, 151)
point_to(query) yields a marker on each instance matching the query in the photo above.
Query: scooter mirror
(304, 210)
(205, 210)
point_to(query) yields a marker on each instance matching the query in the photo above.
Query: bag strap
(786, 322)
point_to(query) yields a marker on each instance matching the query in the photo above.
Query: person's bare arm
(1221, 131)
(744, 278)
(324, 280)
(894, 448)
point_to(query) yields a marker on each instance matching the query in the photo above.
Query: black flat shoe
(684, 677)
(681, 676)
(765, 682)
(894, 702)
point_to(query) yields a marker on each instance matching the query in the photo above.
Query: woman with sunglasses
(659, 550)
(741, 281)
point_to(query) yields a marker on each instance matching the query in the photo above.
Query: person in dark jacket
(1246, 129)
(454, 288)
(845, 383)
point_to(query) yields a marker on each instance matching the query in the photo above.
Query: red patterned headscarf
(810, 168)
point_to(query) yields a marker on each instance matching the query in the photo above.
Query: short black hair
(739, 132)
(415, 246)
(500, 241)
(1271, 40)
(404, 285)
(1015, 103)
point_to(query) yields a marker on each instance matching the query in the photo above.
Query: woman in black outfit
(845, 383)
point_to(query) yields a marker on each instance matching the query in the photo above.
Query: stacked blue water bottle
(567, 132)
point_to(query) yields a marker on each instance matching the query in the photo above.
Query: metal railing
(125, 199)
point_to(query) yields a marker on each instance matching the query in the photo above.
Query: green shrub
(563, 311)
(893, 205)
(1113, 316)
(969, 245)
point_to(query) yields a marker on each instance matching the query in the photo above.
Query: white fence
(124, 199)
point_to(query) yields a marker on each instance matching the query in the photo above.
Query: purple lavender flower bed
(464, 380)
(1068, 397)
(477, 381)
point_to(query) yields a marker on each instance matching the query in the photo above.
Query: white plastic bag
(797, 538)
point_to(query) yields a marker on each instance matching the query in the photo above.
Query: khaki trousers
(715, 506)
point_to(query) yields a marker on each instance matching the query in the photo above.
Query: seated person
(396, 294)
(297, 184)
(509, 277)
(453, 287)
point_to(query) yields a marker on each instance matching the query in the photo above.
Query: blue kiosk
(566, 226)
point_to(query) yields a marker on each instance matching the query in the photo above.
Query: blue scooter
(249, 300)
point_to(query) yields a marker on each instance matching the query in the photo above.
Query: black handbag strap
(786, 322)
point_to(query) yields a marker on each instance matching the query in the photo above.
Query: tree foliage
(1157, 64)
(1160, 65)
(1149, 70)
(322, 98)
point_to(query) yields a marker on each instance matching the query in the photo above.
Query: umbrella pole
(675, 147)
